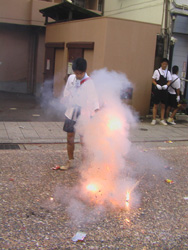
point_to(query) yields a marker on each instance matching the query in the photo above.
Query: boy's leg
(162, 121)
(174, 113)
(168, 111)
(70, 152)
(162, 111)
(175, 109)
(155, 106)
(70, 145)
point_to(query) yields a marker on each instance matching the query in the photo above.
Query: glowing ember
(115, 124)
(127, 199)
(92, 187)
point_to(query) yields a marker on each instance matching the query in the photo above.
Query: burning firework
(114, 124)
(104, 172)
(92, 187)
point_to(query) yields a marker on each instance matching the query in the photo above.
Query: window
(80, 3)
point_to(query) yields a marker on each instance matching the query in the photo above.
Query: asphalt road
(40, 211)
(25, 107)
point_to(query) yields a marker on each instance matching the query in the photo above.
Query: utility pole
(166, 29)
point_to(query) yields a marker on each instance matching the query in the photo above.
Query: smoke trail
(53, 107)
(110, 169)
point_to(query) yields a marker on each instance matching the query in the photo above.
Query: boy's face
(79, 74)
(164, 65)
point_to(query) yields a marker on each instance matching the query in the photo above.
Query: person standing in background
(161, 79)
(173, 95)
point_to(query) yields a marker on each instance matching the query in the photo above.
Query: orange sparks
(127, 220)
(115, 124)
(92, 187)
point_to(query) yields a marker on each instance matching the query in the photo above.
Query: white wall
(149, 11)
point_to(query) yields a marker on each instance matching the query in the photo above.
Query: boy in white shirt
(173, 95)
(161, 79)
(81, 100)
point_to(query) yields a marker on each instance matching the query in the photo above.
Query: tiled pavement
(51, 132)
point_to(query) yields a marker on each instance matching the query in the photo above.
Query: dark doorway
(50, 64)
(49, 67)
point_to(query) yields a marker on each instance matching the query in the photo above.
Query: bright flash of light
(114, 124)
(51, 198)
(92, 187)
(127, 199)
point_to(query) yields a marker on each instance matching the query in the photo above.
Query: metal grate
(4, 146)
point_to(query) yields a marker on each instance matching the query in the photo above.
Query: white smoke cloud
(106, 140)
(52, 107)
(110, 169)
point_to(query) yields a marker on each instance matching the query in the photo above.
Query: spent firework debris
(79, 236)
(21, 127)
(127, 220)
(56, 167)
(169, 181)
(168, 168)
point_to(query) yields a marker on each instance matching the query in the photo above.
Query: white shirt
(83, 95)
(175, 85)
(165, 72)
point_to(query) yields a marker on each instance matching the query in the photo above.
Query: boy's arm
(168, 83)
(169, 78)
(154, 81)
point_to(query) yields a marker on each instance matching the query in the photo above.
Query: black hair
(165, 60)
(79, 64)
(175, 69)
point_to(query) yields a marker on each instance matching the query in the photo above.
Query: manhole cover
(4, 146)
(144, 129)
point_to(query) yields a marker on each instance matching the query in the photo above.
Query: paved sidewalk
(51, 132)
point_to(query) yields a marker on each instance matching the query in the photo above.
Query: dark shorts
(69, 126)
(160, 96)
(172, 100)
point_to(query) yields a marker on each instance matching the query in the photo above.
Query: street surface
(34, 214)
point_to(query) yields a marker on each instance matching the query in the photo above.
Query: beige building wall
(131, 49)
(24, 12)
(121, 45)
(149, 11)
(88, 30)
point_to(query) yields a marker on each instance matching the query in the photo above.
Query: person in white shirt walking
(161, 79)
(81, 100)
(173, 95)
